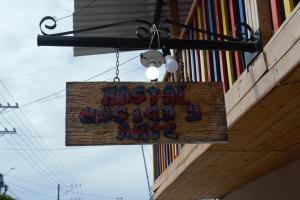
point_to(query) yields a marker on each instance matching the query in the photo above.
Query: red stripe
(237, 55)
(276, 14)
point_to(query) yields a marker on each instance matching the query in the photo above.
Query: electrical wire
(31, 182)
(40, 70)
(146, 170)
(39, 158)
(79, 10)
(32, 191)
(60, 91)
(55, 188)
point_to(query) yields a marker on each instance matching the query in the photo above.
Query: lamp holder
(152, 56)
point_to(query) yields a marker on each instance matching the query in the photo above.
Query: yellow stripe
(173, 152)
(288, 7)
(202, 53)
(226, 32)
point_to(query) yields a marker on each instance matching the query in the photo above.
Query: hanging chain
(117, 79)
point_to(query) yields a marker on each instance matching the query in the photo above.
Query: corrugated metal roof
(99, 12)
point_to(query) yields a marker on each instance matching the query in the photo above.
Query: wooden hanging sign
(105, 113)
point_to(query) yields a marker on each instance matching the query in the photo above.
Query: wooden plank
(211, 128)
(246, 81)
(285, 37)
(264, 20)
(230, 67)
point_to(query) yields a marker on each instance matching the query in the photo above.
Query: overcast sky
(28, 73)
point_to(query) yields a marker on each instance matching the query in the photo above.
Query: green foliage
(6, 197)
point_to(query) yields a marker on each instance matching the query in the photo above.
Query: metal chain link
(117, 79)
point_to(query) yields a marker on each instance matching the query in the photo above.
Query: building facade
(260, 161)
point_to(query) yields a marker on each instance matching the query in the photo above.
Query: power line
(41, 164)
(54, 188)
(60, 91)
(31, 182)
(39, 70)
(35, 131)
(43, 149)
(146, 170)
(32, 191)
(79, 10)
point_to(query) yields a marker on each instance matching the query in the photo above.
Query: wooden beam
(264, 20)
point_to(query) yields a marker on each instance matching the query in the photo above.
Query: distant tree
(6, 197)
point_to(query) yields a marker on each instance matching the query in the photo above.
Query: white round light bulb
(171, 64)
(152, 72)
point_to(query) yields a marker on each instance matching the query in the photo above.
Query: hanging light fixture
(153, 59)
(171, 64)
(152, 72)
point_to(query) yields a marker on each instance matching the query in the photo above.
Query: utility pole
(2, 185)
(58, 192)
(4, 107)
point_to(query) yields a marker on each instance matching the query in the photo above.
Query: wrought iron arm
(147, 33)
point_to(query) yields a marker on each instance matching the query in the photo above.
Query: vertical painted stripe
(197, 51)
(202, 52)
(208, 56)
(234, 22)
(230, 67)
(215, 56)
(242, 12)
(288, 7)
(193, 59)
(189, 69)
(158, 159)
(276, 14)
(164, 156)
(174, 152)
(222, 57)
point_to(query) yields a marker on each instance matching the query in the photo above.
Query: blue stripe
(194, 75)
(215, 55)
(242, 20)
(158, 159)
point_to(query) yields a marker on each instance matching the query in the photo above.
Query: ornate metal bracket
(150, 37)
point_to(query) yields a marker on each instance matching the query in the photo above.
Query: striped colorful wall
(218, 16)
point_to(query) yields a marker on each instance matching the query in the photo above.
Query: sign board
(105, 113)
